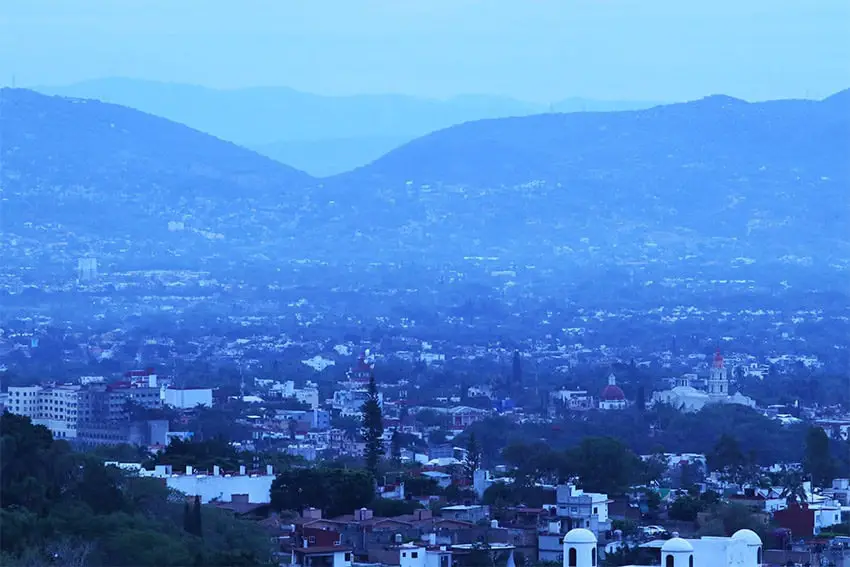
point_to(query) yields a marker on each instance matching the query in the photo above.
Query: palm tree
(793, 491)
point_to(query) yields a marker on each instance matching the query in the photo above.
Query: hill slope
(303, 129)
(716, 181)
(100, 176)
(773, 175)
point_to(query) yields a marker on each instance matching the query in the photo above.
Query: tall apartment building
(55, 407)
(90, 413)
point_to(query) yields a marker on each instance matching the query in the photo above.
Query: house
(413, 555)
(442, 479)
(244, 487)
(472, 514)
(762, 499)
(579, 509)
(321, 556)
(808, 520)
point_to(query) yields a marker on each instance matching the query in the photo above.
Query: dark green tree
(640, 398)
(818, 462)
(516, 372)
(373, 428)
(472, 461)
(686, 508)
(727, 458)
(187, 518)
(395, 447)
(197, 526)
(605, 465)
(335, 491)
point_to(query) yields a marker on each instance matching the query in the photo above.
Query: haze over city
(398, 283)
(541, 50)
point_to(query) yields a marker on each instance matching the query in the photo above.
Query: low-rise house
(579, 509)
(321, 556)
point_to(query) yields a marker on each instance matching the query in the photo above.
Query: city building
(212, 486)
(743, 549)
(413, 555)
(54, 407)
(321, 556)
(687, 398)
(612, 396)
(188, 398)
(579, 509)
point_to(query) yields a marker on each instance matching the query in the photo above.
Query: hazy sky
(533, 49)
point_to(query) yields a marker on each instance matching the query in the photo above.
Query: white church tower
(718, 379)
(677, 552)
(580, 548)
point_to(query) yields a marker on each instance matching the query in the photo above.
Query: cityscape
(444, 284)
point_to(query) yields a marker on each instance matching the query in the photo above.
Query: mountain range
(323, 135)
(718, 180)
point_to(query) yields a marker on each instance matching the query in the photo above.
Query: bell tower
(718, 379)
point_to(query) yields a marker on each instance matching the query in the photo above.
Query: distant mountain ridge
(338, 132)
(718, 180)
(771, 178)
(107, 177)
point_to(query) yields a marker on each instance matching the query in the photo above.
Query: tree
(640, 398)
(604, 465)
(472, 462)
(395, 447)
(727, 458)
(516, 373)
(335, 491)
(818, 461)
(686, 508)
(187, 518)
(196, 518)
(373, 428)
(793, 490)
(67, 508)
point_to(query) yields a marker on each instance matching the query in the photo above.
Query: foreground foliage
(67, 508)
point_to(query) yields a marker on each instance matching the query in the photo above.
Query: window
(573, 558)
(758, 556)
(595, 510)
(670, 562)
(414, 554)
(691, 561)
(348, 556)
(593, 557)
(404, 554)
(312, 539)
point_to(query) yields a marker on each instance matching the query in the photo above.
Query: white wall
(407, 559)
(339, 560)
(223, 487)
(720, 551)
(187, 399)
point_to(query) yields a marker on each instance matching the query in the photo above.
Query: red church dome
(611, 393)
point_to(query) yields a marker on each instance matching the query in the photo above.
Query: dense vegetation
(67, 508)
(659, 429)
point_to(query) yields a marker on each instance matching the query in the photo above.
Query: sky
(537, 50)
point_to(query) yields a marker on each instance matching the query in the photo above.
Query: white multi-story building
(580, 509)
(214, 485)
(349, 403)
(189, 398)
(54, 407)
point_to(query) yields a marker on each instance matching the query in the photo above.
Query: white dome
(677, 545)
(749, 536)
(580, 535)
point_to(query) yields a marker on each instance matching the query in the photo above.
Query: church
(687, 398)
